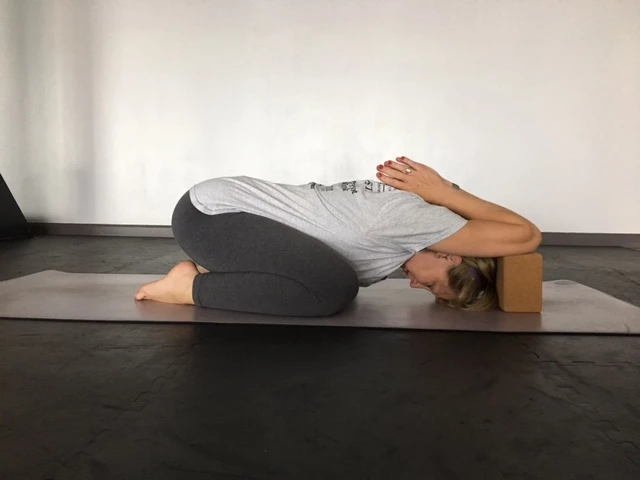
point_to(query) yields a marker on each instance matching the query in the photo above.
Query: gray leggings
(258, 265)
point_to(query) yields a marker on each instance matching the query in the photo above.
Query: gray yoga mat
(568, 307)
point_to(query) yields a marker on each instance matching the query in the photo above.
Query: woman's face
(429, 270)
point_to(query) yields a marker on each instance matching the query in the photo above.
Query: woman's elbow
(528, 241)
(534, 238)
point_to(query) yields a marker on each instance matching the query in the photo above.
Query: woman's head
(468, 283)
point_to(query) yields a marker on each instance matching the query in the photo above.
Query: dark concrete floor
(81, 400)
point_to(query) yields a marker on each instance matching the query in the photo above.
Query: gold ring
(407, 170)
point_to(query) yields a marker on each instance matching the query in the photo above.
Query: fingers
(396, 166)
(394, 173)
(401, 164)
(392, 176)
(408, 161)
(393, 170)
(392, 182)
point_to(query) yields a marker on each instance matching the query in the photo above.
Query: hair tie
(475, 274)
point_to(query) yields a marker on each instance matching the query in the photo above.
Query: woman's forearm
(492, 230)
(474, 208)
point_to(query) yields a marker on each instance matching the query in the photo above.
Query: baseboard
(92, 230)
(627, 240)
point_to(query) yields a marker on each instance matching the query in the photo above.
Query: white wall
(110, 110)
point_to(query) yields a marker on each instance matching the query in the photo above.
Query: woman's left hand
(405, 174)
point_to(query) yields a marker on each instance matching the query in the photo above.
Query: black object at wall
(12, 221)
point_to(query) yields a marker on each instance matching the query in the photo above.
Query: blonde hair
(474, 284)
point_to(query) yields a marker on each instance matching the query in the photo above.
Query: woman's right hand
(421, 179)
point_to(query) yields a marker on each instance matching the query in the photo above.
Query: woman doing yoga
(305, 250)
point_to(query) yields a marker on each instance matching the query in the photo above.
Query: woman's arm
(492, 230)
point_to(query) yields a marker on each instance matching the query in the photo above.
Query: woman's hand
(421, 180)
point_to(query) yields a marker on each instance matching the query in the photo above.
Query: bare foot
(176, 287)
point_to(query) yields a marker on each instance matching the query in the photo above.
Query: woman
(304, 250)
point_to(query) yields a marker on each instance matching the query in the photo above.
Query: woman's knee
(337, 291)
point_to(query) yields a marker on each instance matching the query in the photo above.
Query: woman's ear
(454, 259)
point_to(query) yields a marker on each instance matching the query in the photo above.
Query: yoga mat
(568, 307)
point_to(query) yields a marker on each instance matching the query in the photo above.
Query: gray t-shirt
(376, 228)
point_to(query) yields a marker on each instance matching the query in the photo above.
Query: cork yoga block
(519, 283)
